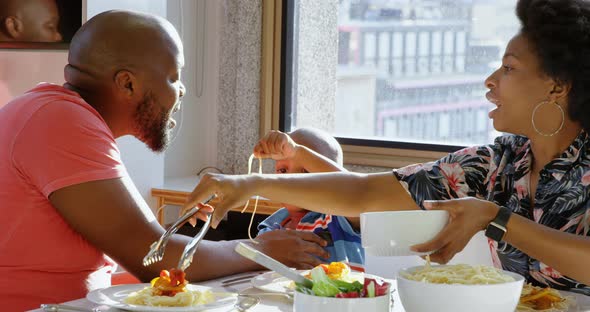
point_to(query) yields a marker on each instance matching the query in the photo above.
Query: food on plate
(170, 290)
(334, 280)
(334, 270)
(459, 274)
(546, 299)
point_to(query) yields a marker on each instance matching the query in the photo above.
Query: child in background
(310, 150)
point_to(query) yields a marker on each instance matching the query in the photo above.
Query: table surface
(267, 303)
(270, 303)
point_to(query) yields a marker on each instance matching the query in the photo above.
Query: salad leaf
(323, 286)
(347, 287)
(302, 289)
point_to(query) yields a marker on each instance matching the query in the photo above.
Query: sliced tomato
(177, 277)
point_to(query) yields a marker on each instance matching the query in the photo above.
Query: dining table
(269, 302)
(242, 284)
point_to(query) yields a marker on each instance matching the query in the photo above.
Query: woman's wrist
(489, 214)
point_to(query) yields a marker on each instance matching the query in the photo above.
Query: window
(401, 74)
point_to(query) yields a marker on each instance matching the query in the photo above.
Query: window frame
(274, 111)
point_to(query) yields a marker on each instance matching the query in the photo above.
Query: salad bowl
(369, 293)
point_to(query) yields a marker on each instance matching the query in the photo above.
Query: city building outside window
(394, 73)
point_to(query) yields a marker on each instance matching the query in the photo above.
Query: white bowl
(392, 233)
(309, 303)
(418, 296)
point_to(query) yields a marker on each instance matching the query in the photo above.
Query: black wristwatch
(497, 228)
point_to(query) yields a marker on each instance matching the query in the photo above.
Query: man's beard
(152, 124)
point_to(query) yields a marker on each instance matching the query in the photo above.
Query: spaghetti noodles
(188, 298)
(458, 274)
(169, 290)
(250, 160)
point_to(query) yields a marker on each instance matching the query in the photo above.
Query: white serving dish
(392, 233)
(417, 296)
(309, 303)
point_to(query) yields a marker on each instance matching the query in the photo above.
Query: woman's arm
(567, 253)
(341, 193)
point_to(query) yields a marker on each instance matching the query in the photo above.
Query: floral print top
(500, 173)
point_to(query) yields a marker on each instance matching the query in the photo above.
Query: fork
(62, 307)
(157, 248)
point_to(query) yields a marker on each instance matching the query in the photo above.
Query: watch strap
(497, 228)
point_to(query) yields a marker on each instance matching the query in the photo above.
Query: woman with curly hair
(530, 191)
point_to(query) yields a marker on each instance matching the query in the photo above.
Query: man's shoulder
(40, 97)
(49, 105)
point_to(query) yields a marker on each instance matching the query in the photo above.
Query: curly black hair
(559, 30)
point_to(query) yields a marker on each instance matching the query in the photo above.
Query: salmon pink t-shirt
(50, 138)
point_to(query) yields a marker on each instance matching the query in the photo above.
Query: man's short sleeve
(63, 144)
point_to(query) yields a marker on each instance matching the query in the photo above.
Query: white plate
(273, 282)
(582, 301)
(114, 296)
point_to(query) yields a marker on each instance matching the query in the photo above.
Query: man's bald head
(127, 66)
(116, 40)
(29, 20)
(319, 141)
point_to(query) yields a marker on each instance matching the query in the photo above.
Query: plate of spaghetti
(169, 292)
(546, 299)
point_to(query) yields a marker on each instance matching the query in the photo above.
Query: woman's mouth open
(494, 101)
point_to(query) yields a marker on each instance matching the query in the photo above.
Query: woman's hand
(276, 145)
(467, 216)
(231, 191)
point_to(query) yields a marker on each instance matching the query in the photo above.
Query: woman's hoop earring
(562, 119)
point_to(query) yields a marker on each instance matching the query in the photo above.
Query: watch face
(494, 233)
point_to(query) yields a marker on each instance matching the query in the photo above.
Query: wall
(239, 84)
(315, 81)
(195, 141)
(21, 70)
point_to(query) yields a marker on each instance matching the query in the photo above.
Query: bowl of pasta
(392, 233)
(459, 288)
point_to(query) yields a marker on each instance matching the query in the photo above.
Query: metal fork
(62, 307)
(157, 248)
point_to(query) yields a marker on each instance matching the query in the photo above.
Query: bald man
(311, 150)
(29, 21)
(66, 199)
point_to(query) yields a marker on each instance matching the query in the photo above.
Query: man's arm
(112, 216)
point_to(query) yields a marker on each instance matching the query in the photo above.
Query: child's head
(317, 140)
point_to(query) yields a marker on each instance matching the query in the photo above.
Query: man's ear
(126, 83)
(13, 27)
